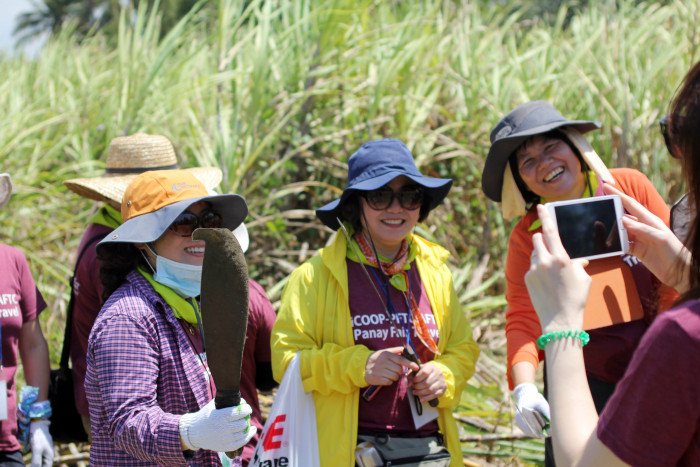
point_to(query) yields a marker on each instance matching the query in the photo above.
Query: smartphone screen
(589, 228)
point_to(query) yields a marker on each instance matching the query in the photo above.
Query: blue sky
(10, 9)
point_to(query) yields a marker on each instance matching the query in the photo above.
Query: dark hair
(116, 261)
(351, 209)
(530, 197)
(684, 121)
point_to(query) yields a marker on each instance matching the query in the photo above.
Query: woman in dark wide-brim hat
(337, 311)
(537, 156)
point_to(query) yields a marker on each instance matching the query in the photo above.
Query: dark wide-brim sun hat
(154, 199)
(520, 124)
(374, 165)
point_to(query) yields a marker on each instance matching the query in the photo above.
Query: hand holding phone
(590, 228)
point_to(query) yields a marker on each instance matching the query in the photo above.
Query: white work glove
(532, 415)
(215, 429)
(41, 443)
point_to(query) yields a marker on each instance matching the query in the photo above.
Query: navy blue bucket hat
(374, 165)
(525, 121)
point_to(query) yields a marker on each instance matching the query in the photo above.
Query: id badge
(3, 399)
(422, 412)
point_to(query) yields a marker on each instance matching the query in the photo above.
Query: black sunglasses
(187, 222)
(409, 197)
(663, 126)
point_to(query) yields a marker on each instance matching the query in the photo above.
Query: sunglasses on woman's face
(409, 197)
(187, 222)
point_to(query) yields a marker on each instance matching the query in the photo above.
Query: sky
(10, 9)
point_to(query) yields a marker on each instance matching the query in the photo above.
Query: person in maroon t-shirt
(20, 305)
(653, 417)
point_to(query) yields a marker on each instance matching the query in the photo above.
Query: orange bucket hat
(154, 199)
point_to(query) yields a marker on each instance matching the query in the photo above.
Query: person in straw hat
(149, 393)
(537, 156)
(378, 289)
(20, 306)
(127, 157)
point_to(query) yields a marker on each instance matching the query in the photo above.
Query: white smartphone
(591, 228)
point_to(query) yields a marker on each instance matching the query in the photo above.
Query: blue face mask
(184, 279)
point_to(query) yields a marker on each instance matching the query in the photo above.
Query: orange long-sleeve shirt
(522, 325)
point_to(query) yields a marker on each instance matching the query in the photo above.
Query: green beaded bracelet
(552, 336)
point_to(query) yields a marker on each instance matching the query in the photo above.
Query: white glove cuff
(524, 388)
(37, 423)
(184, 425)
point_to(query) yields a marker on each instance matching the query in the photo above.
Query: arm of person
(34, 352)
(559, 291)
(522, 324)
(653, 242)
(307, 321)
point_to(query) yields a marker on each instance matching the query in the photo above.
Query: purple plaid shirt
(142, 374)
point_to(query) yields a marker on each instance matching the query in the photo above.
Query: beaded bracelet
(552, 336)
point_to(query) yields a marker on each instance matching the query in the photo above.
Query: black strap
(65, 352)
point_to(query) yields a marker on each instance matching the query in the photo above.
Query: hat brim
(5, 189)
(437, 188)
(149, 227)
(501, 150)
(111, 188)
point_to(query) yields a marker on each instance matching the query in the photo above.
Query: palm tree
(50, 15)
(46, 17)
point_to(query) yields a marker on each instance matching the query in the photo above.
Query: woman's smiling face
(182, 249)
(550, 168)
(388, 227)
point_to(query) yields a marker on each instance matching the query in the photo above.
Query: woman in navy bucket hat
(536, 156)
(376, 290)
(374, 165)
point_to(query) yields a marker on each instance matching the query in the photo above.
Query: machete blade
(224, 302)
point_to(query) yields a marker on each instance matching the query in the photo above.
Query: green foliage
(280, 93)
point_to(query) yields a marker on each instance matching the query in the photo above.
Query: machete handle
(225, 399)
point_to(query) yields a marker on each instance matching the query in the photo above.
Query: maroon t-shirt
(261, 317)
(653, 418)
(87, 290)
(20, 302)
(389, 409)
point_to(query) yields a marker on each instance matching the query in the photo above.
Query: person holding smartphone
(376, 290)
(537, 156)
(653, 417)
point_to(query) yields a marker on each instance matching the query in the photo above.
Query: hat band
(133, 170)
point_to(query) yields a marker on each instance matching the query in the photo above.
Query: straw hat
(5, 189)
(129, 156)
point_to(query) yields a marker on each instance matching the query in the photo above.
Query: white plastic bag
(289, 436)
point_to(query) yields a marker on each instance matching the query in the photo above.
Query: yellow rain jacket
(314, 318)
